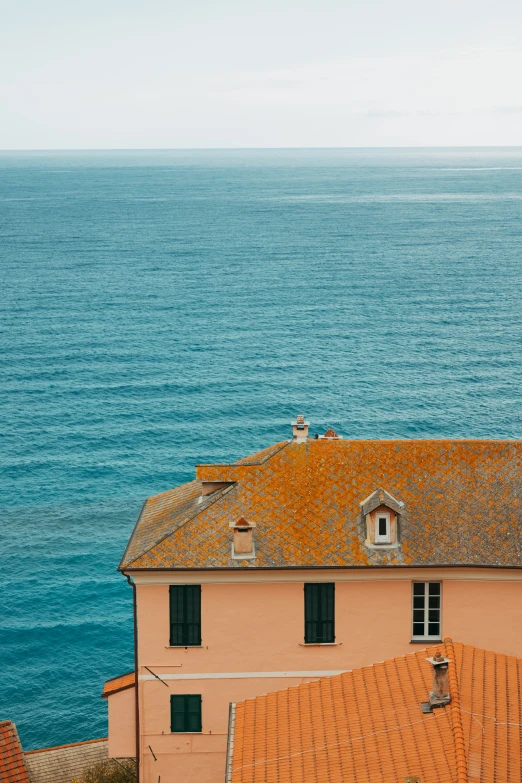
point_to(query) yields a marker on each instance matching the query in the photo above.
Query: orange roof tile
(367, 725)
(120, 683)
(462, 503)
(12, 767)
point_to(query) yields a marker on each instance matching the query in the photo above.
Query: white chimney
(300, 429)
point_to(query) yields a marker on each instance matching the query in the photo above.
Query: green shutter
(177, 713)
(185, 615)
(319, 612)
(193, 712)
(193, 614)
(185, 713)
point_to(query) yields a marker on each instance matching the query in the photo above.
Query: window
(426, 610)
(185, 713)
(382, 528)
(319, 613)
(185, 615)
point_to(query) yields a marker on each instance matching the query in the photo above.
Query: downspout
(136, 671)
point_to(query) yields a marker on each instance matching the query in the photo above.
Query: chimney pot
(440, 695)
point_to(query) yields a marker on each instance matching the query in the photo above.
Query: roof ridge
(207, 501)
(60, 747)
(119, 676)
(456, 717)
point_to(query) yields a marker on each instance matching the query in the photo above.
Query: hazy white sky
(264, 73)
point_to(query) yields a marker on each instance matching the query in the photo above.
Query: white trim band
(242, 675)
(255, 575)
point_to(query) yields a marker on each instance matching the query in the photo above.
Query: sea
(165, 308)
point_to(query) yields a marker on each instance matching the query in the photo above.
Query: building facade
(313, 557)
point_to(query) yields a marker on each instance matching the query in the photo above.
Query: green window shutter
(193, 713)
(177, 713)
(319, 612)
(185, 713)
(185, 615)
(193, 614)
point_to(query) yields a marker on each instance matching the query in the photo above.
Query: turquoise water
(161, 309)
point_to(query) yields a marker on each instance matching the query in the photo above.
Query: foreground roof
(120, 683)
(367, 725)
(461, 505)
(64, 763)
(12, 767)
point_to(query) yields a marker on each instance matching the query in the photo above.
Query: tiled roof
(120, 683)
(367, 725)
(462, 504)
(12, 767)
(64, 762)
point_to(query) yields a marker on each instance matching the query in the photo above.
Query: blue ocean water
(160, 309)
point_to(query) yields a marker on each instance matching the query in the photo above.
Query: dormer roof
(380, 497)
(462, 507)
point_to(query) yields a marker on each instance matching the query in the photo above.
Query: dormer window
(382, 514)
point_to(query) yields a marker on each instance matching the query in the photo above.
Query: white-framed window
(426, 614)
(382, 528)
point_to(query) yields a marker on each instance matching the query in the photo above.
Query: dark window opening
(319, 613)
(185, 615)
(383, 527)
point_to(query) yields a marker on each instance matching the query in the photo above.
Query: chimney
(439, 696)
(300, 429)
(243, 545)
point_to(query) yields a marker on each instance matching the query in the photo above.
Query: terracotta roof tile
(462, 502)
(367, 725)
(330, 433)
(12, 767)
(120, 683)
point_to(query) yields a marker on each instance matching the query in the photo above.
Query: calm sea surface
(160, 309)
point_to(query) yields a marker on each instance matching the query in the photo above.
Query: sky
(115, 74)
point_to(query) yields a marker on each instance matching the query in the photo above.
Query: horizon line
(267, 149)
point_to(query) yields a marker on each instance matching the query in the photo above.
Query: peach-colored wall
(258, 627)
(484, 614)
(122, 724)
(255, 627)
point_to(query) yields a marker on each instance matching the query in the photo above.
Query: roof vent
(300, 429)
(243, 545)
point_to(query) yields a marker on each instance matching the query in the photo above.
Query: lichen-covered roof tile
(462, 502)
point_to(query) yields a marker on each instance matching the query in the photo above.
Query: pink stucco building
(312, 557)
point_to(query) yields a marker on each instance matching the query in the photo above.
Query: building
(315, 556)
(377, 724)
